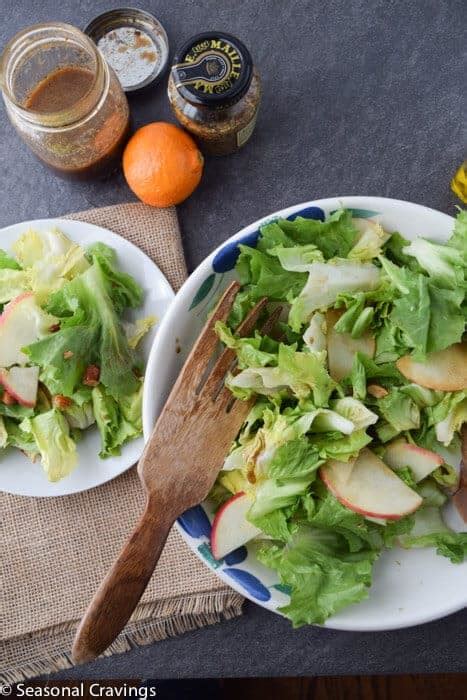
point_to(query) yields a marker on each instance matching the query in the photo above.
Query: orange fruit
(162, 164)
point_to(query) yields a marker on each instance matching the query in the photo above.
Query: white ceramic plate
(410, 587)
(18, 474)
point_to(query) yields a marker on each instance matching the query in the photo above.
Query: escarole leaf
(51, 434)
(333, 237)
(429, 317)
(303, 373)
(321, 573)
(49, 259)
(325, 282)
(117, 421)
(90, 334)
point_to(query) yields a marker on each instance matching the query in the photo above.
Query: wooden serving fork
(178, 467)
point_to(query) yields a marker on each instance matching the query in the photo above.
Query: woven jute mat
(55, 551)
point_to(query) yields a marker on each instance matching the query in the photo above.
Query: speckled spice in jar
(215, 91)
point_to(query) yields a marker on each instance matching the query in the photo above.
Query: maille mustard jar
(215, 91)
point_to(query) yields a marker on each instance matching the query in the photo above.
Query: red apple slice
(230, 528)
(369, 487)
(342, 347)
(445, 370)
(21, 383)
(21, 323)
(422, 462)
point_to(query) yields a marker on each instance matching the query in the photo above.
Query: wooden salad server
(178, 467)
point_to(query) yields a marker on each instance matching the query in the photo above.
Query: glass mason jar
(64, 100)
(215, 91)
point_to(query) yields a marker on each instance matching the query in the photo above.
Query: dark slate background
(359, 98)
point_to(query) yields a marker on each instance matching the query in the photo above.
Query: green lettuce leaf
(422, 396)
(21, 439)
(12, 283)
(276, 524)
(7, 262)
(80, 416)
(429, 530)
(371, 238)
(334, 237)
(458, 239)
(90, 334)
(321, 573)
(355, 411)
(326, 281)
(332, 515)
(303, 372)
(3, 434)
(124, 291)
(406, 475)
(431, 493)
(52, 437)
(399, 410)
(275, 494)
(342, 447)
(234, 481)
(365, 369)
(136, 331)
(14, 410)
(247, 350)
(446, 476)
(297, 259)
(448, 416)
(295, 459)
(443, 263)
(394, 250)
(395, 528)
(49, 259)
(117, 421)
(264, 276)
(390, 343)
(429, 317)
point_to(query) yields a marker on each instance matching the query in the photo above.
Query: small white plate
(409, 586)
(18, 475)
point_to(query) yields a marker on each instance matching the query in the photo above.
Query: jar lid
(134, 43)
(213, 69)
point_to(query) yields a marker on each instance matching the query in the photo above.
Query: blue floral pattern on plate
(250, 583)
(195, 522)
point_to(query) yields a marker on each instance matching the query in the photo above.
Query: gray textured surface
(359, 98)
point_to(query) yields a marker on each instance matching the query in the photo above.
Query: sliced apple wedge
(21, 323)
(445, 370)
(21, 383)
(230, 528)
(342, 347)
(371, 488)
(422, 462)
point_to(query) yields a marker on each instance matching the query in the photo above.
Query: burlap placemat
(54, 552)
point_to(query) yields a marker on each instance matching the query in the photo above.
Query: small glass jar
(215, 91)
(64, 100)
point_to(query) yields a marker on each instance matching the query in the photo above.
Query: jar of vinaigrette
(64, 100)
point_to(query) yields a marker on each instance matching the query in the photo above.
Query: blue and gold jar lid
(212, 69)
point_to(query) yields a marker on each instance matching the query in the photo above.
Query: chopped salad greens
(358, 390)
(68, 359)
